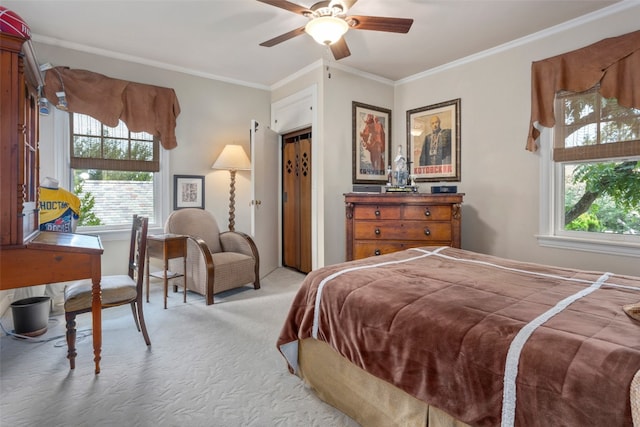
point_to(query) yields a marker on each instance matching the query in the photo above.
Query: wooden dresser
(382, 223)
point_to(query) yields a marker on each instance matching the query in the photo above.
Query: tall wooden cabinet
(19, 163)
(378, 224)
(28, 256)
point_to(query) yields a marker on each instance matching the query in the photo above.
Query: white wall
(332, 144)
(501, 179)
(341, 89)
(213, 113)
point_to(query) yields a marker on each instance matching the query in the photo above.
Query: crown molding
(585, 19)
(129, 58)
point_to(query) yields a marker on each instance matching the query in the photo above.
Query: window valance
(142, 107)
(613, 62)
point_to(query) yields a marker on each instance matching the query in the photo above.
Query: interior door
(296, 201)
(265, 154)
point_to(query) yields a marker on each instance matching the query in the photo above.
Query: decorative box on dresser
(378, 224)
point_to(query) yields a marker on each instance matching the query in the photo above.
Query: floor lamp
(233, 158)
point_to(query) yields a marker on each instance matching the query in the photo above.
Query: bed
(448, 337)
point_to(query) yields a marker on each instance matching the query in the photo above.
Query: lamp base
(232, 201)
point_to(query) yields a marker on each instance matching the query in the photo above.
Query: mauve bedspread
(490, 341)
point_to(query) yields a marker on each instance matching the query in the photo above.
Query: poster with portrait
(433, 141)
(371, 143)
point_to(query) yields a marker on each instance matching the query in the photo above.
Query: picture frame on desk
(433, 142)
(188, 191)
(371, 153)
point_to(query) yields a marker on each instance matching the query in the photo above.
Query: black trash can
(31, 315)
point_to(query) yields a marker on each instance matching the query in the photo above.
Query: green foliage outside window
(602, 195)
(87, 202)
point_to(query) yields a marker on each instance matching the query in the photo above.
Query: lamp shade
(326, 29)
(233, 158)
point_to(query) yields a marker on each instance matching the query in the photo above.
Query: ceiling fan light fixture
(326, 29)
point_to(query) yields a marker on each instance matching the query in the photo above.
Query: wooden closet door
(296, 202)
(304, 195)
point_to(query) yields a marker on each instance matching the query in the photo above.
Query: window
(114, 173)
(594, 169)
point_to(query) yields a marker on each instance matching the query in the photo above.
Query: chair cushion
(115, 289)
(232, 269)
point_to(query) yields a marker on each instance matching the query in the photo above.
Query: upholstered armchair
(216, 261)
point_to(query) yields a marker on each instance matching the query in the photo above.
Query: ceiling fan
(328, 22)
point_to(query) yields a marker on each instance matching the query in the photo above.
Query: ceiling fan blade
(286, 5)
(283, 37)
(380, 23)
(340, 49)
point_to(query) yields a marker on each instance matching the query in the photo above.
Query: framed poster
(188, 191)
(433, 142)
(371, 143)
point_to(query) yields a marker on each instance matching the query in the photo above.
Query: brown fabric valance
(614, 62)
(144, 108)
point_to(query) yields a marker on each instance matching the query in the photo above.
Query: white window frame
(62, 171)
(551, 233)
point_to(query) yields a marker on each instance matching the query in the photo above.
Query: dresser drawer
(432, 213)
(402, 230)
(367, 249)
(376, 212)
(364, 249)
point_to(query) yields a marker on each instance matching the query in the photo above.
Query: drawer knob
(427, 212)
(377, 252)
(377, 231)
(427, 232)
(377, 212)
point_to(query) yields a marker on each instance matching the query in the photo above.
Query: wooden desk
(52, 257)
(166, 247)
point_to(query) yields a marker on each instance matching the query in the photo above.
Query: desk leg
(96, 311)
(184, 258)
(166, 280)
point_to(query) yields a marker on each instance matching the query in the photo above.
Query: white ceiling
(220, 38)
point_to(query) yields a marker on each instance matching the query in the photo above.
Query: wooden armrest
(208, 259)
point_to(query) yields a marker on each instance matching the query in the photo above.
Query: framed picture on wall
(371, 143)
(433, 142)
(188, 191)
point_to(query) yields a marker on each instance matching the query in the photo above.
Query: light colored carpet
(207, 366)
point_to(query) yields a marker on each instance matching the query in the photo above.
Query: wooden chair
(116, 290)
